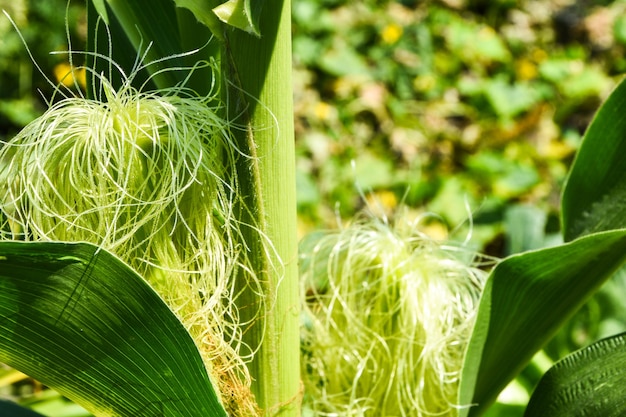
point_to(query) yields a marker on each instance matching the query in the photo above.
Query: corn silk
(387, 315)
(148, 177)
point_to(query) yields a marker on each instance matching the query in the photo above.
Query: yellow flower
(64, 74)
(383, 201)
(526, 69)
(391, 33)
(322, 110)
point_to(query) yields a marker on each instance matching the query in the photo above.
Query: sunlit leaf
(242, 14)
(594, 198)
(590, 382)
(81, 321)
(526, 298)
(101, 9)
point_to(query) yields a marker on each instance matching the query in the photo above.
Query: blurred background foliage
(23, 89)
(462, 114)
(459, 108)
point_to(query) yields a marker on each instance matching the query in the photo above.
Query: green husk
(144, 176)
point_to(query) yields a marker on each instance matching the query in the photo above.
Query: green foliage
(594, 197)
(77, 318)
(526, 299)
(135, 22)
(528, 296)
(161, 39)
(428, 89)
(589, 382)
(242, 14)
(462, 108)
(42, 28)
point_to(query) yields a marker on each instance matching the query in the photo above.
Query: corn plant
(148, 262)
(192, 167)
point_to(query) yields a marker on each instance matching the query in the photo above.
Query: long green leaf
(81, 321)
(203, 11)
(159, 44)
(594, 198)
(152, 28)
(590, 382)
(526, 298)
(119, 51)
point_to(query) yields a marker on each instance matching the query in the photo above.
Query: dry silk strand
(144, 176)
(386, 319)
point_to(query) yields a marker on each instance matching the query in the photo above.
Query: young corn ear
(149, 178)
(387, 316)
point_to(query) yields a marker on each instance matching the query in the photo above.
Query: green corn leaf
(168, 53)
(137, 25)
(100, 7)
(81, 321)
(120, 50)
(526, 298)
(590, 382)
(594, 198)
(242, 14)
(203, 11)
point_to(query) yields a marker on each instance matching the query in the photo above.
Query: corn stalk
(256, 71)
(259, 69)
